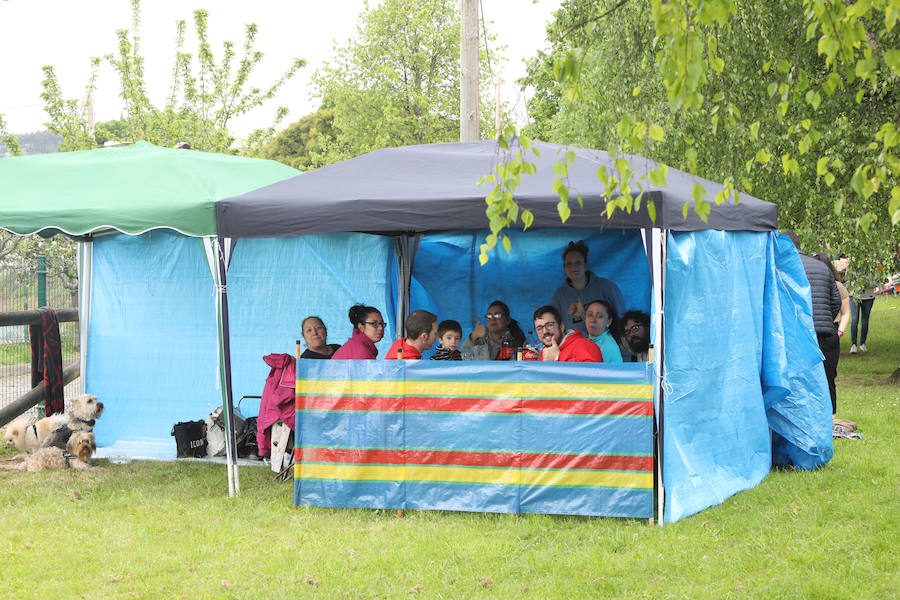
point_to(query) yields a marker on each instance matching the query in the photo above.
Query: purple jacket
(358, 346)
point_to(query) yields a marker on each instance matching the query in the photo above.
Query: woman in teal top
(599, 319)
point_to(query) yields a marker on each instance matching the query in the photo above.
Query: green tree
(397, 81)
(8, 139)
(301, 144)
(201, 102)
(729, 90)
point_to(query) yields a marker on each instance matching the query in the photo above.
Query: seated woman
(600, 321)
(583, 286)
(484, 342)
(316, 337)
(368, 329)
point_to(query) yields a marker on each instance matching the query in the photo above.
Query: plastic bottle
(507, 347)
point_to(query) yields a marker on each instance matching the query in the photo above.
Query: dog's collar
(34, 427)
(85, 421)
(68, 455)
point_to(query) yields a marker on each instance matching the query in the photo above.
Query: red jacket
(409, 352)
(576, 348)
(277, 399)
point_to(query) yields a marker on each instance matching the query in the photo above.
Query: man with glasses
(636, 334)
(560, 344)
(421, 331)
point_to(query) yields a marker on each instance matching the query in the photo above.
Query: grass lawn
(168, 530)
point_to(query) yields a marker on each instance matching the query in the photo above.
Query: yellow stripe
(474, 475)
(478, 389)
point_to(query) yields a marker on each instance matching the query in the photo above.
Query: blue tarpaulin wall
(152, 341)
(741, 357)
(448, 280)
(516, 437)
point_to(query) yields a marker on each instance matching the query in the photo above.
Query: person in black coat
(826, 304)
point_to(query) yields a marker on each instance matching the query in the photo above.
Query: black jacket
(826, 300)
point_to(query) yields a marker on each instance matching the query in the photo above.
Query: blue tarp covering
(740, 356)
(152, 344)
(448, 280)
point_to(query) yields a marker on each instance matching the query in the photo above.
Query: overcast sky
(65, 33)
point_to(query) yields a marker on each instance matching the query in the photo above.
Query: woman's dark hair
(613, 318)
(513, 326)
(580, 247)
(359, 312)
(824, 258)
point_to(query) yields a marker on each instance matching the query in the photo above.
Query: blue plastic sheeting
(449, 281)
(798, 403)
(152, 338)
(152, 356)
(736, 321)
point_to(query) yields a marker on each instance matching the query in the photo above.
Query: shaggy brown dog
(55, 430)
(78, 452)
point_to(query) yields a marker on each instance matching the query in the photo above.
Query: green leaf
(657, 133)
(698, 192)
(754, 130)
(621, 165)
(703, 209)
(892, 59)
(684, 209)
(651, 210)
(570, 157)
(763, 157)
(829, 179)
(560, 168)
(717, 64)
(773, 87)
(813, 99)
(838, 206)
(866, 221)
(894, 205)
(507, 245)
(527, 218)
(490, 241)
(822, 166)
(482, 258)
(564, 211)
(636, 91)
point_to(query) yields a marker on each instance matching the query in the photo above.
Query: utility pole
(469, 122)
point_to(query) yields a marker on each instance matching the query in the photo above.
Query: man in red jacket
(421, 331)
(562, 345)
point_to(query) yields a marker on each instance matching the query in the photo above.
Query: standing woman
(368, 329)
(582, 286)
(316, 337)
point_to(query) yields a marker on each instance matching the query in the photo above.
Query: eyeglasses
(633, 329)
(546, 326)
(375, 323)
(494, 316)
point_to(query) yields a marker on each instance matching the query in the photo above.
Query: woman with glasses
(368, 329)
(316, 337)
(581, 287)
(485, 340)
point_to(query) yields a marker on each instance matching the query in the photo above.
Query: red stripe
(491, 405)
(475, 459)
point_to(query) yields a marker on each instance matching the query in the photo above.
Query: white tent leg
(85, 280)
(659, 245)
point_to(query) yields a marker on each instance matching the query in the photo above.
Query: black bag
(190, 438)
